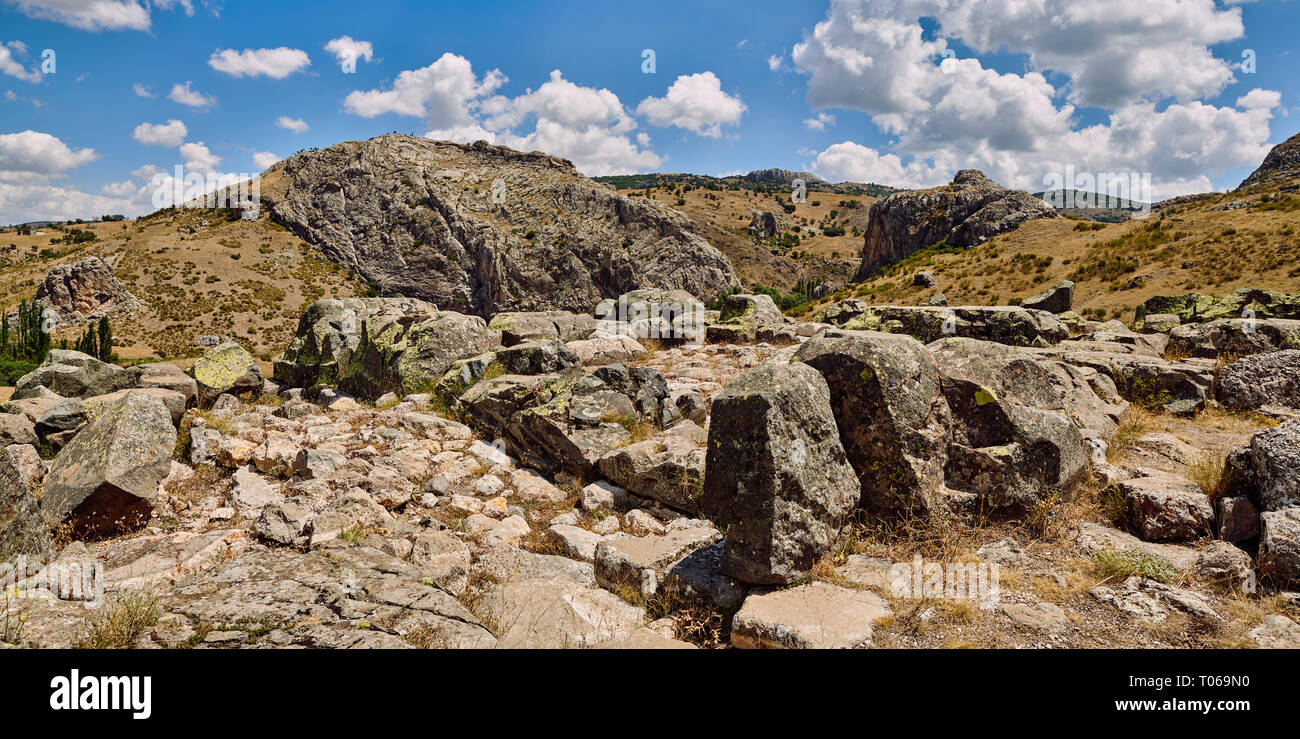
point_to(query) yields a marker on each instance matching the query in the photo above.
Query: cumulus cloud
(851, 162)
(871, 55)
(264, 159)
(171, 133)
(32, 156)
(296, 125)
(123, 189)
(88, 15)
(696, 103)
(276, 63)
(591, 127)
(142, 90)
(346, 49)
(198, 158)
(774, 62)
(10, 66)
(820, 122)
(186, 95)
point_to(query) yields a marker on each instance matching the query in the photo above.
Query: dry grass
(1114, 564)
(1133, 424)
(1207, 471)
(126, 618)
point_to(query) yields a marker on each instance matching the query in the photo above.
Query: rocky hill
(482, 229)
(1281, 168)
(965, 213)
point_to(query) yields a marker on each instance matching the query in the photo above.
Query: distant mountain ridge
(761, 179)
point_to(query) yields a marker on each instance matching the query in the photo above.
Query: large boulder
(1275, 463)
(518, 327)
(1261, 380)
(893, 420)
(83, 290)
(1163, 507)
(1057, 300)
(967, 212)
(72, 374)
(777, 479)
(227, 368)
(1200, 308)
(1011, 325)
(1013, 441)
(485, 229)
(1279, 544)
(329, 331)
(164, 376)
(404, 358)
(741, 318)
(23, 528)
(105, 481)
(1234, 336)
(668, 467)
(673, 316)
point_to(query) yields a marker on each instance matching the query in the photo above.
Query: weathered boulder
(741, 318)
(892, 418)
(1163, 507)
(1238, 519)
(16, 429)
(1057, 300)
(518, 327)
(557, 613)
(24, 529)
(1275, 458)
(1222, 561)
(812, 616)
(1279, 544)
(404, 357)
(421, 218)
(673, 316)
(228, 368)
(642, 563)
(329, 331)
(668, 467)
(607, 350)
(1261, 380)
(72, 374)
(1235, 336)
(83, 290)
(1013, 441)
(105, 480)
(777, 479)
(1199, 308)
(164, 376)
(1003, 324)
(966, 212)
(1160, 323)
(537, 357)
(768, 225)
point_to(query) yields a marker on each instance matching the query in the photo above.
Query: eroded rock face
(429, 219)
(105, 481)
(777, 479)
(1280, 167)
(892, 417)
(1275, 457)
(1234, 336)
(1201, 308)
(965, 213)
(329, 331)
(86, 289)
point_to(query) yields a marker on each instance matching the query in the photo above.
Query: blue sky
(1101, 86)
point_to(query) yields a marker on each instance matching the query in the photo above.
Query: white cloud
(296, 125)
(146, 172)
(820, 122)
(851, 162)
(264, 159)
(958, 114)
(32, 156)
(171, 133)
(186, 95)
(199, 159)
(10, 66)
(22, 203)
(588, 126)
(774, 62)
(123, 189)
(345, 49)
(443, 93)
(276, 63)
(142, 90)
(88, 15)
(696, 103)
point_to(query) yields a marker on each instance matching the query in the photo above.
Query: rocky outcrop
(742, 317)
(1235, 336)
(1200, 308)
(768, 225)
(1057, 300)
(484, 229)
(72, 375)
(1281, 167)
(777, 479)
(84, 290)
(329, 331)
(965, 213)
(1006, 324)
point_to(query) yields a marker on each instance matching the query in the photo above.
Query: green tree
(105, 340)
